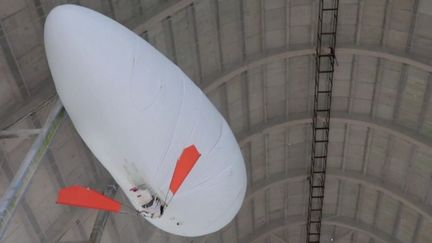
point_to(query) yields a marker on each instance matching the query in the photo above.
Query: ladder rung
(326, 55)
(328, 33)
(319, 172)
(320, 157)
(318, 196)
(317, 186)
(323, 110)
(326, 71)
(329, 9)
(324, 92)
(321, 128)
(321, 141)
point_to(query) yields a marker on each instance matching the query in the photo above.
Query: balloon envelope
(137, 112)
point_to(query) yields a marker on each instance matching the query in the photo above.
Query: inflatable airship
(152, 128)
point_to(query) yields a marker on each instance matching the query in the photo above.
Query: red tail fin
(184, 165)
(79, 196)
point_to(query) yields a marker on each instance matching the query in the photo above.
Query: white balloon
(137, 111)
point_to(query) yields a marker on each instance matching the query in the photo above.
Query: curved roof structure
(254, 60)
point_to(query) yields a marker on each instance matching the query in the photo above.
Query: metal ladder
(324, 70)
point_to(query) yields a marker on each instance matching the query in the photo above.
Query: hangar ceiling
(254, 60)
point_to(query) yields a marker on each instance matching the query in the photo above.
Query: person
(151, 205)
(333, 55)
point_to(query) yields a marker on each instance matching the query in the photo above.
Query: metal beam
(358, 226)
(267, 174)
(80, 241)
(170, 42)
(340, 117)
(360, 10)
(278, 179)
(242, 30)
(287, 26)
(403, 81)
(27, 107)
(352, 84)
(143, 23)
(351, 176)
(376, 87)
(418, 226)
(340, 221)
(102, 216)
(215, 5)
(114, 232)
(280, 54)
(12, 63)
(386, 22)
(368, 142)
(28, 167)
(413, 26)
(257, 61)
(29, 220)
(53, 168)
(425, 104)
(287, 77)
(263, 73)
(245, 99)
(236, 228)
(44, 96)
(194, 30)
(70, 215)
(63, 223)
(276, 239)
(342, 237)
(20, 133)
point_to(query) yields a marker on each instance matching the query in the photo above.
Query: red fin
(184, 165)
(79, 196)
